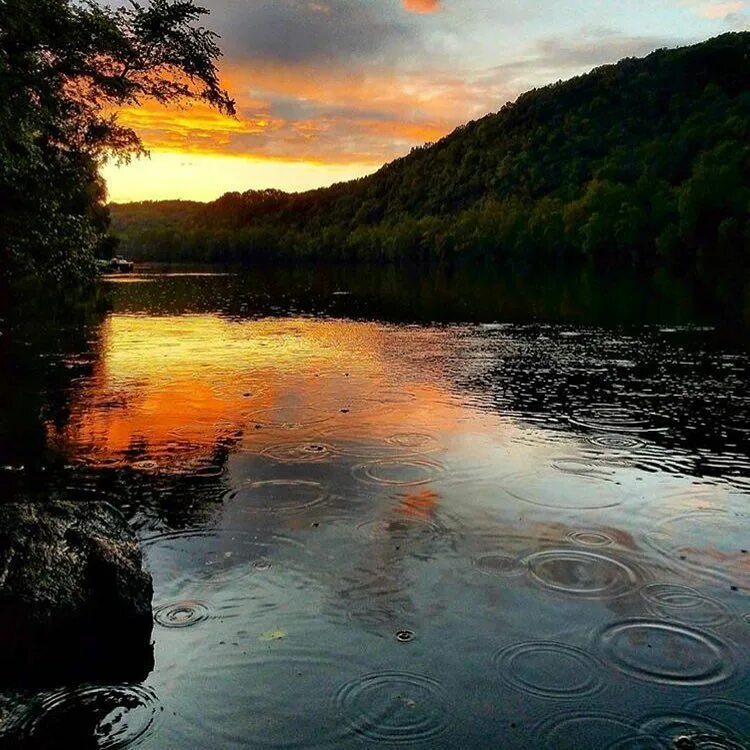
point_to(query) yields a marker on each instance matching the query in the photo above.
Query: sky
(329, 90)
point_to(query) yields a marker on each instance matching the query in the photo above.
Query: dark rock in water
(75, 601)
(684, 743)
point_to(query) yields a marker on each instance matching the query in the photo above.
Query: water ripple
(637, 742)
(308, 452)
(288, 418)
(498, 564)
(581, 573)
(590, 538)
(391, 396)
(181, 614)
(666, 653)
(418, 441)
(406, 472)
(548, 670)
(582, 467)
(731, 714)
(594, 491)
(113, 718)
(285, 700)
(278, 495)
(613, 441)
(686, 731)
(604, 418)
(394, 707)
(573, 731)
(671, 601)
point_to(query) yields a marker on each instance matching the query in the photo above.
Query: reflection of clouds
(300, 544)
(170, 388)
(419, 505)
(324, 400)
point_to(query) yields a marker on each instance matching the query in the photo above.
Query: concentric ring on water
(181, 614)
(307, 452)
(278, 495)
(574, 731)
(114, 717)
(582, 467)
(613, 441)
(286, 696)
(671, 601)
(147, 465)
(666, 653)
(221, 557)
(733, 715)
(589, 575)
(394, 707)
(405, 636)
(704, 732)
(418, 441)
(498, 564)
(607, 418)
(565, 491)
(392, 396)
(403, 529)
(375, 442)
(406, 472)
(548, 670)
(590, 538)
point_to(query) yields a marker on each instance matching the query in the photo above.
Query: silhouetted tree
(65, 68)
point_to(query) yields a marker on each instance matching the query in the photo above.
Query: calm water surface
(370, 531)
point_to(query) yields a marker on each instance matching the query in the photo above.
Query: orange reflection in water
(419, 505)
(167, 390)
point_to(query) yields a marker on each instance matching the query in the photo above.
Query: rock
(684, 743)
(75, 601)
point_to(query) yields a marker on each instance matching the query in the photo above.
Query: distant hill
(641, 163)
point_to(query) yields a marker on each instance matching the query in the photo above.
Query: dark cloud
(311, 31)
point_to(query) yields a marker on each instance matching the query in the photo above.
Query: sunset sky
(328, 90)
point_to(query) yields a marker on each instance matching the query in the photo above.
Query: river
(386, 510)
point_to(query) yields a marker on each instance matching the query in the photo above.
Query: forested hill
(639, 163)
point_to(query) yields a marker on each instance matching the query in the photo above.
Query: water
(366, 529)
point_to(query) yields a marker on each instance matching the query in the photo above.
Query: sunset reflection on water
(351, 520)
(165, 390)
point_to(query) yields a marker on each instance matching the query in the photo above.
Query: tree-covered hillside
(641, 163)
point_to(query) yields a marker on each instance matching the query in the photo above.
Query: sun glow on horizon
(169, 175)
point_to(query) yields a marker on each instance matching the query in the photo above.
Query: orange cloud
(300, 113)
(422, 6)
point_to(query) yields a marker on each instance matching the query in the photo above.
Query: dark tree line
(65, 67)
(638, 164)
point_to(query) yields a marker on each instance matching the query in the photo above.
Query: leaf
(273, 635)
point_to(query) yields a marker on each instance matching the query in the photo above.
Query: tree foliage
(65, 68)
(641, 163)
